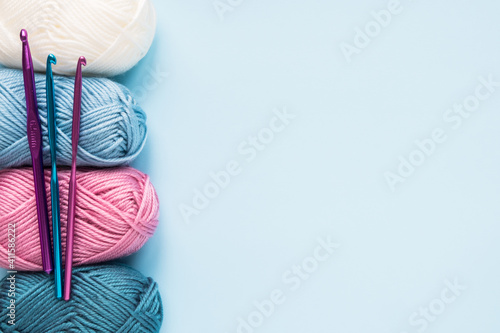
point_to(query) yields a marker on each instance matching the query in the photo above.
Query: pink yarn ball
(117, 211)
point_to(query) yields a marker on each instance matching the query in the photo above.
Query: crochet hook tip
(82, 61)
(24, 36)
(52, 59)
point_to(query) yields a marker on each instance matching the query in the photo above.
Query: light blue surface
(323, 174)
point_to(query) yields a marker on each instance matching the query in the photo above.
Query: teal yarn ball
(107, 298)
(112, 130)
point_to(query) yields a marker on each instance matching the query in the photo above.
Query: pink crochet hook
(75, 135)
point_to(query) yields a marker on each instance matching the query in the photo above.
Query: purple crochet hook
(35, 143)
(75, 134)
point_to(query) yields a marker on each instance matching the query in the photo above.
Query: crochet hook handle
(54, 182)
(77, 102)
(34, 130)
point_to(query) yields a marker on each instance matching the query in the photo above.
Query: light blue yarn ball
(108, 298)
(112, 130)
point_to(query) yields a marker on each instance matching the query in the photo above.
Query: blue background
(208, 83)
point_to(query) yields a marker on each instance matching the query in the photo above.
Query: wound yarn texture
(109, 298)
(112, 130)
(117, 211)
(113, 35)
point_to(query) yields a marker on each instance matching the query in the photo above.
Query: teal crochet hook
(54, 182)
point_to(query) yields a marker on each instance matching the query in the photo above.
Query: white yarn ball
(112, 34)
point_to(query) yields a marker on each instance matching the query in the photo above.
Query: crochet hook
(54, 182)
(75, 134)
(34, 130)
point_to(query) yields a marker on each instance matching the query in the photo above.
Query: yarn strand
(113, 126)
(117, 211)
(105, 298)
(113, 35)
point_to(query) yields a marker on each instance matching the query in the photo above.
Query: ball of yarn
(106, 298)
(112, 130)
(113, 35)
(116, 213)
